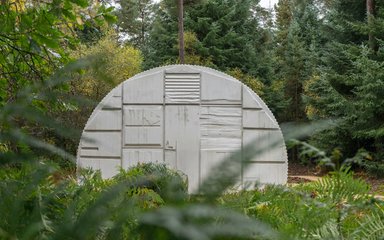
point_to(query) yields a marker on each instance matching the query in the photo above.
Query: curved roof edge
(167, 67)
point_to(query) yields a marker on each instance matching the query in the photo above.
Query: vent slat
(182, 88)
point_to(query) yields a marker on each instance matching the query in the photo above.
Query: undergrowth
(150, 201)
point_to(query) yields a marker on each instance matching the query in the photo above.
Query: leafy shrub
(375, 168)
(158, 178)
(34, 205)
(290, 212)
(30, 201)
(329, 208)
(366, 160)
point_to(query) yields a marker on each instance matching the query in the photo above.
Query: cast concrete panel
(250, 100)
(210, 159)
(182, 135)
(107, 167)
(131, 157)
(106, 120)
(266, 139)
(220, 128)
(170, 158)
(182, 69)
(258, 119)
(145, 136)
(265, 173)
(143, 115)
(113, 100)
(144, 90)
(188, 117)
(216, 91)
(143, 126)
(100, 144)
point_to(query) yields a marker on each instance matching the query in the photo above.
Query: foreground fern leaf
(371, 228)
(340, 187)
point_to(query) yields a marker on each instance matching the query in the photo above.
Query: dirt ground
(298, 173)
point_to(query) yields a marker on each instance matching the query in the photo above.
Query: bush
(34, 204)
(156, 177)
(335, 207)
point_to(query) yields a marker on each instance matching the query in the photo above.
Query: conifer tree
(297, 49)
(135, 18)
(351, 81)
(228, 34)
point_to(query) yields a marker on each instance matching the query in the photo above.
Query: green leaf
(81, 3)
(35, 46)
(51, 43)
(69, 14)
(110, 18)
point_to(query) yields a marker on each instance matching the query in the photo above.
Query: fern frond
(327, 231)
(372, 228)
(340, 187)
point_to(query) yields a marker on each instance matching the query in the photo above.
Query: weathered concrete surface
(189, 117)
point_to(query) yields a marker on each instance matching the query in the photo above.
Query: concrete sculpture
(189, 117)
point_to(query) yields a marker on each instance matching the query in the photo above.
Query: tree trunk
(142, 37)
(370, 8)
(181, 31)
(370, 17)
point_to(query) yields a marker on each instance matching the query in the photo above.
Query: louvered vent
(182, 88)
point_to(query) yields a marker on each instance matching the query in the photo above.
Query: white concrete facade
(189, 117)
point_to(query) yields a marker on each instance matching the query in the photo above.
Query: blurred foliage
(39, 203)
(337, 206)
(28, 129)
(116, 64)
(35, 44)
(169, 184)
(112, 65)
(35, 39)
(55, 53)
(150, 201)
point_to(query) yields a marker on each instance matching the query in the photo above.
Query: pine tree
(297, 49)
(351, 81)
(227, 33)
(161, 47)
(135, 18)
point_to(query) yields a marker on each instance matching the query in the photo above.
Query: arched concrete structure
(189, 117)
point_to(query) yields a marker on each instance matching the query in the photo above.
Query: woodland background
(309, 60)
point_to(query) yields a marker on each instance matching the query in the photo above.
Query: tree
(162, 40)
(370, 20)
(135, 18)
(350, 82)
(180, 7)
(35, 40)
(119, 62)
(191, 44)
(227, 31)
(113, 64)
(163, 44)
(297, 52)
